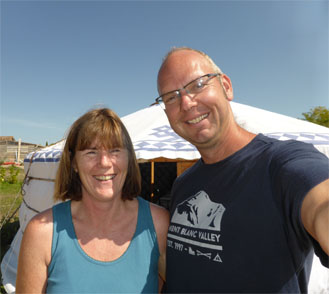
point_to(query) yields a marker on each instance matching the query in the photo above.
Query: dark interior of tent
(164, 175)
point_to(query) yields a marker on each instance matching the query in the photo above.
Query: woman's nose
(105, 159)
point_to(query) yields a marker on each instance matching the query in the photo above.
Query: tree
(318, 115)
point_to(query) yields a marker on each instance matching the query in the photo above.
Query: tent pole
(152, 178)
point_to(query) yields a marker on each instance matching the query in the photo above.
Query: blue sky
(62, 58)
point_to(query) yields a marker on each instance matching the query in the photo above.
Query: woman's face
(102, 172)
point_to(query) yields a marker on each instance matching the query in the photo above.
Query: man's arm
(315, 214)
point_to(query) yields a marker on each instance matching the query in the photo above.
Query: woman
(104, 239)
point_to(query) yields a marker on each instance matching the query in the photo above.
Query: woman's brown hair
(105, 126)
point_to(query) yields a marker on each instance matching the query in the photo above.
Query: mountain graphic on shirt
(199, 212)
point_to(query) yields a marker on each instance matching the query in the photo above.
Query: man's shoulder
(292, 159)
(287, 147)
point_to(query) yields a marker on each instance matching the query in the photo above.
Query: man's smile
(198, 119)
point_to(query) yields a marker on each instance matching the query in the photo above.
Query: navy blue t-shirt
(236, 226)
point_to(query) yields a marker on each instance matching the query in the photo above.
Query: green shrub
(9, 175)
(2, 174)
(13, 173)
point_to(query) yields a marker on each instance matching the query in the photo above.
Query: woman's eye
(114, 151)
(89, 151)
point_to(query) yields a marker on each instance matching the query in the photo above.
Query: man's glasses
(192, 88)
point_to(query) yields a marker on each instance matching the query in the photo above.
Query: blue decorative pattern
(315, 139)
(44, 156)
(165, 139)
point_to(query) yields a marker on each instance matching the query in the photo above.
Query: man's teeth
(198, 119)
(104, 178)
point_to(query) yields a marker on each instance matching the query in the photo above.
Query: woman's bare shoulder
(41, 225)
(159, 213)
(35, 254)
(160, 217)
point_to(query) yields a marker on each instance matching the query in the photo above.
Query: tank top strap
(61, 217)
(145, 220)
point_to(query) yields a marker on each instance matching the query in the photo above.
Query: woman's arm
(161, 222)
(35, 254)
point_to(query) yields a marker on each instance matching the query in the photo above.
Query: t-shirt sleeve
(297, 168)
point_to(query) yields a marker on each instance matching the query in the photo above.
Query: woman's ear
(74, 166)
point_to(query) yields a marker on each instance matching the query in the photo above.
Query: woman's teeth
(104, 178)
(198, 119)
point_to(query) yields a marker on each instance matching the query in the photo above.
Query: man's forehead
(177, 72)
(183, 58)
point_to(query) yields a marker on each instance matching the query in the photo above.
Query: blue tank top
(71, 270)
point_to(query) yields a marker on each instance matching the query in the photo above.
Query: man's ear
(227, 87)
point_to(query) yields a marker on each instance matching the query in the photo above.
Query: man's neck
(233, 141)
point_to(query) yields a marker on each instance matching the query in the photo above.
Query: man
(247, 215)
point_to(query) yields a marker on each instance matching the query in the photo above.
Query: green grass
(6, 188)
(10, 198)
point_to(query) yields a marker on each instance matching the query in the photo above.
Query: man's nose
(187, 100)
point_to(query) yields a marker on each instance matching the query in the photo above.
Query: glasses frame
(160, 101)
